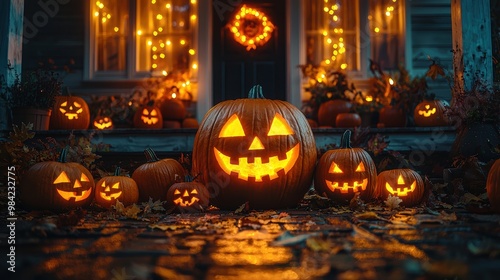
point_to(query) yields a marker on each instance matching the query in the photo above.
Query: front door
(236, 67)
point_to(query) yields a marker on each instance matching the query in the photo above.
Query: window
(346, 33)
(137, 37)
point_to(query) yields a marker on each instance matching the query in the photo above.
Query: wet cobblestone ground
(416, 243)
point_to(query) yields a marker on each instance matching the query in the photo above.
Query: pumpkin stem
(345, 141)
(118, 171)
(256, 92)
(62, 156)
(150, 155)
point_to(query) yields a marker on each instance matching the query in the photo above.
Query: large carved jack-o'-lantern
(57, 185)
(406, 184)
(342, 173)
(70, 112)
(256, 150)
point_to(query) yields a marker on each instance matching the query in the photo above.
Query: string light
(334, 40)
(251, 28)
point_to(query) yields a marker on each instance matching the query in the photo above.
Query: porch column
(11, 15)
(471, 36)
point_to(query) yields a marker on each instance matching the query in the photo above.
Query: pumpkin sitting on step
(148, 116)
(430, 113)
(255, 150)
(109, 189)
(343, 172)
(70, 112)
(57, 185)
(188, 196)
(155, 177)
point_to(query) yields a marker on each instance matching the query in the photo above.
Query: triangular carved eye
(177, 191)
(116, 185)
(62, 178)
(334, 168)
(153, 113)
(232, 128)
(279, 126)
(194, 192)
(84, 178)
(360, 168)
(145, 112)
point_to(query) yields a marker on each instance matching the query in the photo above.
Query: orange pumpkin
(70, 112)
(109, 189)
(343, 172)
(328, 111)
(493, 186)
(348, 120)
(57, 185)
(155, 176)
(102, 122)
(405, 183)
(148, 116)
(430, 113)
(188, 196)
(255, 150)
(173, 109)
(392, 116)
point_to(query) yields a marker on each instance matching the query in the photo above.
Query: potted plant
(32, 95)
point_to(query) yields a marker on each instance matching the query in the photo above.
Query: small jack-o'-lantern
(57, 185)
(148, 116)
(188, 196)
(155, 177)
(406, 184)
(493, 186)
(343, 172)
(430, 113)
(70, 112)
(256, 150)
(109, 189)
(102, 122)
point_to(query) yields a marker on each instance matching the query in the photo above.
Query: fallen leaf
(287, 239)
(359, 232)
(369, 215)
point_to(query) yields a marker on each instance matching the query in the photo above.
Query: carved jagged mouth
(78, 197)
(110, 196)
(71, 116)
(257, 169)
(147, 120)
(183, 203)
(427, 113)
(355, 187)
(399, 191)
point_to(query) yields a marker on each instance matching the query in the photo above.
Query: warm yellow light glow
(256, 144)
(155, 33)
(116, 29)
(159, 17)
(183, 42)
(391, 81)
(139, 32)
(154, 66)
(62, 178)
(193, 17)
(164, 73)
(343, 66)
(334, 168)
(193, 2)
(169, 42)
(369, 98)
(194, 66)
(345, 187)
(96, 14)
(191, 52)
(258, 169)
(387, 13)
(401, 191)
(376, 29)
(360, 168)
(279, 126)
(232, 128)
(168, 6)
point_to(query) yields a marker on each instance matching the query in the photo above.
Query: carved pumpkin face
(430, 113)
(70, 112)
(188, 196)
(78, 188)
(342, 173)
(109, 189)
(57, 185)
(404, 183)
(148, 117)
(103, 123)
(256, 150)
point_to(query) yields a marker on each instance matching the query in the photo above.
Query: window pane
(386, 21)
(332, 32)
(165, 35)
(111, 21)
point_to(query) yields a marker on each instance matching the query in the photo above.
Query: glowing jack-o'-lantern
(102, 122)
(343, 172)
(148, 116)
(493, 186)
(188, 196)
(430, 113)
(112, 188)
(57, 185)
(256, 150)
(407, 184)
(70, 112)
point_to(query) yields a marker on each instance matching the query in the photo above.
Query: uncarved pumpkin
(155, 176)
(109, 189)
(328, 111)
(173, 109)
(57, 185)
(343, 172)
(493, 186)
(70, 112)
(392, 116)
(430, 113)
(255, 150)
(348, 120)
(404, 183)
